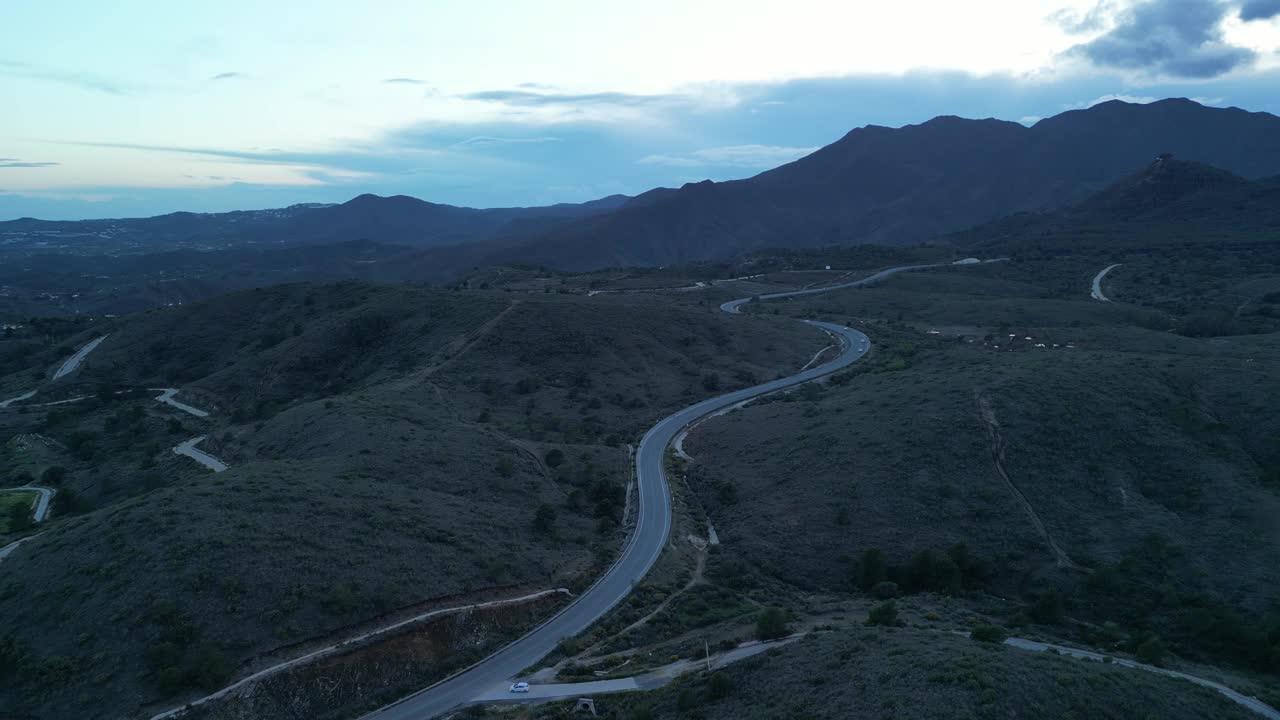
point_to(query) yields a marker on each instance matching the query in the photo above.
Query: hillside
(1069, 445)
(389, 448)
(874, 673)
(912, 183)
(1171, 204)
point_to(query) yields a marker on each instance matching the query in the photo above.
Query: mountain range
(882, 185)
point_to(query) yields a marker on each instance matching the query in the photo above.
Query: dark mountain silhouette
(905, 185)
(394, 220)
(1172, 202)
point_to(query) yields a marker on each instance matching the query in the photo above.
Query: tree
(544, 520)
(53, 475)
(505, 467)
(1047, 609)
(886, 614)
(19, 517)
(1152, 651)
(872, 569)
(772, 624)
(554, 457)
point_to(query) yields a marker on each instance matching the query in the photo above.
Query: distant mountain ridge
(397, 219)
(906, 185)
(876, 184)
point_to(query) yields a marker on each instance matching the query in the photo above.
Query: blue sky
(142, 107)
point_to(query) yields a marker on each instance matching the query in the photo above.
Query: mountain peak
(1163, 182)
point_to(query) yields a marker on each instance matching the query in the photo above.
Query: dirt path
(345, 644)
(459, 347)
(992, 425)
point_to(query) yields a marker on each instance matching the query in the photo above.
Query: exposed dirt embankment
(374, 674)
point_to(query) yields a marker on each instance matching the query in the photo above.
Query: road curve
(734, 306)
(190, 450)
(653, 525)
(1096, 292)
(40, 508)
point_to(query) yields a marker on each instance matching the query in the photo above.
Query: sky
(142, 107)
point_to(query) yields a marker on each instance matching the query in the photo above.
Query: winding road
(653, 526)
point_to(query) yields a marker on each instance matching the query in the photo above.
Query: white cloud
(1030, 119)
(486, 140)
(739, 156)
(1135, 99)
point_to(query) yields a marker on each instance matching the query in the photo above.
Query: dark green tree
(872, 569)
(544, 520)
(772, 624)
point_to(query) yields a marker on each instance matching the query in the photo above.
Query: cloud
(1132, 99)
(1259, 10)
(737, 156)
(1170, 38)
(404, 81)
(1030, 119)
(525, 98)
(486, 140)
(227, 76)
(1076, 22)
(16, 163)
(82, 80)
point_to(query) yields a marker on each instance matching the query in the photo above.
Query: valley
(746, 449)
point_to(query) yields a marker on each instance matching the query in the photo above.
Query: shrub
(885, 590)
(885, 614)
(544, 519)
(554, 457)
(342, 599)
(989, 634)
(53, 475)
(83, 444)
(686, 700)
(772, 624)
(1152, 651)
(720, 686)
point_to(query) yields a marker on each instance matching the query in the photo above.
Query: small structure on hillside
(585, 705)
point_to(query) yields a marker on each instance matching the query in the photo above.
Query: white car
(520, 687)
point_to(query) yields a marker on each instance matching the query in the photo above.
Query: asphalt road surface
(1096, 293)
(40, 508)
(653, 526)
(74, 361)
(733, 306)
(166, 397)
(190, 450)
